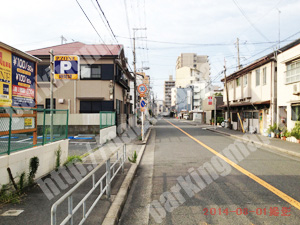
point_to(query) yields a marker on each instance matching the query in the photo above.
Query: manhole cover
(12, 213)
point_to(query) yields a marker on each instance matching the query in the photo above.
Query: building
(169, 84)
(103, 85)
(184, 99)
(288, 85)
(266, 92)
(192, 60)
(252, 95)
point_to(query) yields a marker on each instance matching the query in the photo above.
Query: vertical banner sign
(210, 100)
(23, 82)
(5, 78)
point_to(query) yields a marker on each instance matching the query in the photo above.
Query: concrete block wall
(108, 134)
(18, 162)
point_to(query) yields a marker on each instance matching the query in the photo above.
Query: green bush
(220, 120)
(133, 159)
(296, 131)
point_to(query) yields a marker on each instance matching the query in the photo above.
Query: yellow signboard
(5, 78)
(28, 122)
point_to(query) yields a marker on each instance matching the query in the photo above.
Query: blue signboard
(143, 103)
(23, 82)
(66, 67)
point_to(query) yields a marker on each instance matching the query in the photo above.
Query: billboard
(66, 67)
(5, 78)
(23, 82)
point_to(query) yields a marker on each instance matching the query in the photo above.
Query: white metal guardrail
(109, 175)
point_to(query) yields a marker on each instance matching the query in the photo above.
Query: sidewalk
(37, 207)
(273, 143)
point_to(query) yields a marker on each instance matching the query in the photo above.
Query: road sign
(66, 67)
(143, 103)
(142, 88)
(142, 109)
(142, 95)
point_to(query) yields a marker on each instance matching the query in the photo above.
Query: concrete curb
(259, 143)
(115, 211)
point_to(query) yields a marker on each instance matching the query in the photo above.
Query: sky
(172, 27)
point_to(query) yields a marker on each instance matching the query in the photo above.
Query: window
(245, 80)
(92, 72)
(264, 76)
(296, 112)
(255, 115)
(48, 103)
(43, 73)
(248, 115)
(238, 82)
(96, 106)
(293, 72)
(257, 77)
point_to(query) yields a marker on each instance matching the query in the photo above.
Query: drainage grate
(12, 212)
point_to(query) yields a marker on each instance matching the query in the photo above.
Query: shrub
(220, 120)
(33, 167)
(58, 155)
(296, 131)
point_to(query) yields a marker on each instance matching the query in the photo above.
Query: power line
(107, 21)
(244, 14)
(93, 26)
(203, 44)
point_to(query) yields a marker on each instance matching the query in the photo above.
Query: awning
(240, 104)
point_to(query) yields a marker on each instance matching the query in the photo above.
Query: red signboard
(210, 100)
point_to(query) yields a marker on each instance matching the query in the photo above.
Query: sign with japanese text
(210, 100)
(66, 67)
(5, 78)
(23, 82)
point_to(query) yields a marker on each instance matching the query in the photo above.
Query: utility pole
(226, 88)
(51, 93)
(279, 28)
(238, 52)
(134, 67)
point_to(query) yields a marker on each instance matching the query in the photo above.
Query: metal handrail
(71, 211)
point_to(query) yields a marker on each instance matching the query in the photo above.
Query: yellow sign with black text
(5, 78)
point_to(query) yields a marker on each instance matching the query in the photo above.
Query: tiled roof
(79, 48)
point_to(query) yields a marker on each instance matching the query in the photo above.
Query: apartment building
(103, 85)
(169, 84)
(192, 60)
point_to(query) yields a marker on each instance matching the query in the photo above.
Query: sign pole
(215, 119)
(51, 94)
(142, 122)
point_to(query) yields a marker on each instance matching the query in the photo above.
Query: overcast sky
(173, 27)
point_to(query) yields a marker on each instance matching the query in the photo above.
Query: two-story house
(288, 94)
(252, 95)
(103, 85)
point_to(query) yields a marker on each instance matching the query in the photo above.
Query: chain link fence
(24, 128)
(107, 119)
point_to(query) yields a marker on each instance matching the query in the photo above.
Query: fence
(24, 128)
(79, 209)
(107, 119)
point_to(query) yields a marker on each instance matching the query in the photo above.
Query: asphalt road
(263, 187)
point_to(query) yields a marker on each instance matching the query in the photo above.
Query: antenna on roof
(63, 39)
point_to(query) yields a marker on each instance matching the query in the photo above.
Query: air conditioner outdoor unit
(296, 89)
